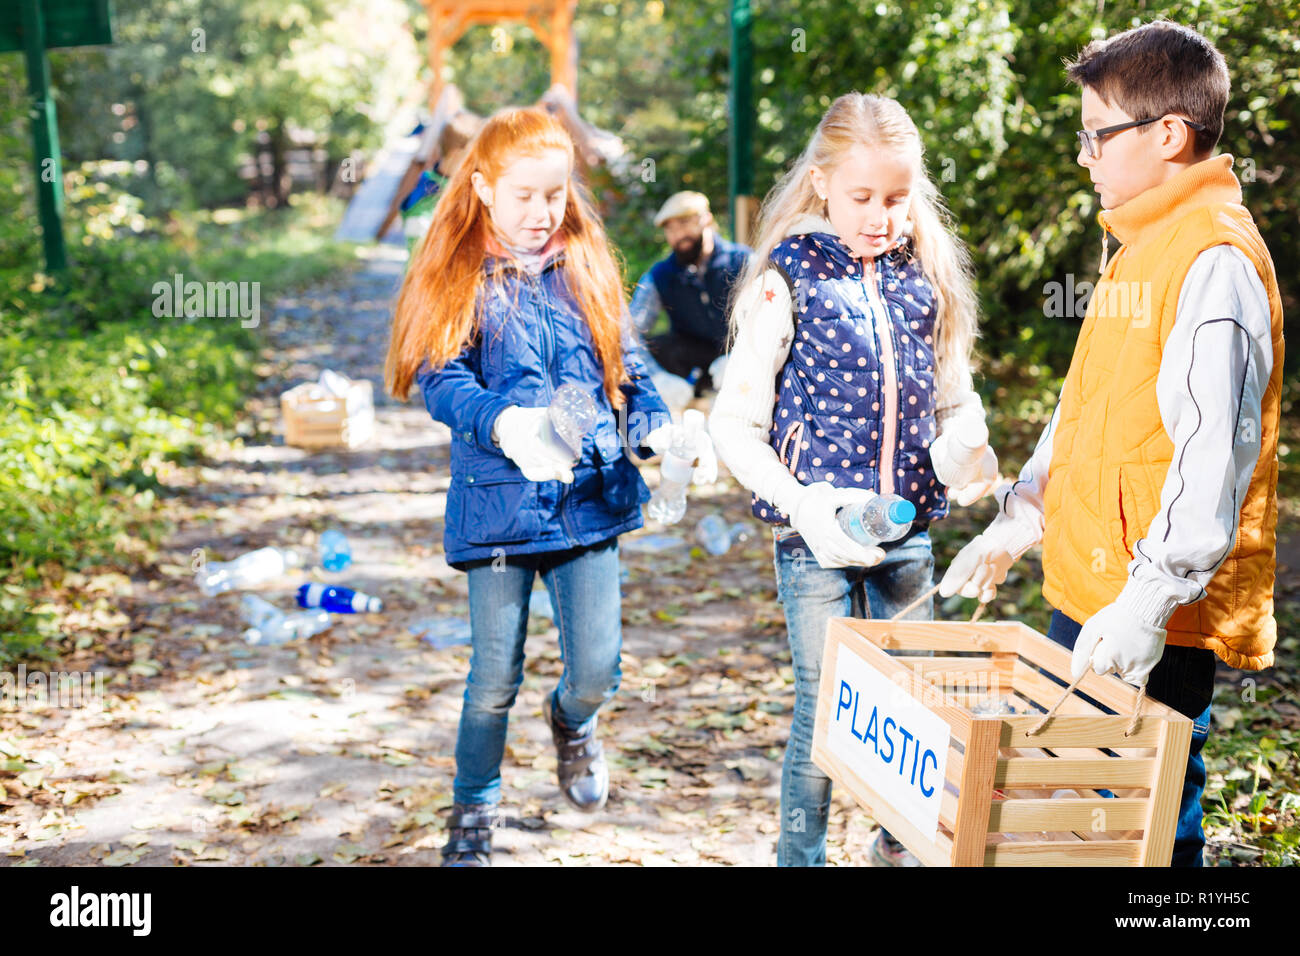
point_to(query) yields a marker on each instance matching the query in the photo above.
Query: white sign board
(886, 737)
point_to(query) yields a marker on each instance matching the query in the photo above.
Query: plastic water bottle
(245, 571)
(335, 552)
(716, 536)
(883, 518)
(288, 627)
(257, 611)
(340, 600)
(573, 414)
(668, 504)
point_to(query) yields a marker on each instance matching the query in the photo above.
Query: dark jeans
(679, 354)
(1183, 680)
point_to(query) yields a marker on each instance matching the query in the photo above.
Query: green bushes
(99, 392)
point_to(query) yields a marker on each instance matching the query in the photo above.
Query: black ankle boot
(469, 835)
(583, 775)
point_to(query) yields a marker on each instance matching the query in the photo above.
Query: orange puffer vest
(1111, 452)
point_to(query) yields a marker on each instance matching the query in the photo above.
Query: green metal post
(740, 158)
(45, 136)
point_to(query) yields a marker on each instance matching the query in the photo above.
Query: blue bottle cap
(901, 512)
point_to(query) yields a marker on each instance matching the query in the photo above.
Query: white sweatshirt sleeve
(1021, 504)
(961, 401)
(1214, 369)
(741, 419)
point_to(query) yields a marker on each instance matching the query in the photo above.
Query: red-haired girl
(514, 293)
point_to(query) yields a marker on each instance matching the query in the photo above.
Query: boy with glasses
(1153, 487)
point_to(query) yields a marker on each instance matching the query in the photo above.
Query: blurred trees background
(178, 145)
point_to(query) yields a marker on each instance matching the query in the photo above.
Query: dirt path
(339, 749)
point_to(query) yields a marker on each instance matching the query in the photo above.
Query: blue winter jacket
(532, 339)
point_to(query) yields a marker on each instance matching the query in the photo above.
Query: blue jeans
(811, 596)
(1184, 680)
(584, 589)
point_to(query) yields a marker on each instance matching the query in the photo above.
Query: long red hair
(435, 317)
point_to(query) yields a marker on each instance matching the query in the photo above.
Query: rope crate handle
(1065, 695)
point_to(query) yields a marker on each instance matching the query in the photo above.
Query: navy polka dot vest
(855, 399)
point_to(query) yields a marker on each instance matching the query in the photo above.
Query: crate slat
(1020, 815)
(1052, 853)
(1061, 772)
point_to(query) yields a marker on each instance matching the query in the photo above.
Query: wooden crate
(996, 807)
(317, 418)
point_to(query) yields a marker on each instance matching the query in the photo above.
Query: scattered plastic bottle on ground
(716, 536)
(668, 504)
(652, 544)
(573, 414)
(249, 569)
(270, 625)
(883, 518)
(256, 610)
(335, 552)
(440, 632)
(340, 600)
(540, 604)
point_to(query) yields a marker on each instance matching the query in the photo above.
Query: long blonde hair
(435, 316)
(879, 122)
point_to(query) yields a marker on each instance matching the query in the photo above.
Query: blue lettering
(870, 733)
(914, 753)
(888, 740)
(854, 719)
(843, 701)
(929, 755)
(902, 756)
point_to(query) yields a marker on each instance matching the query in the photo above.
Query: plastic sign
(889, 739)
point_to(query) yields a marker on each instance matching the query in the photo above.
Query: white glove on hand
(982, 565)
(813, 516)
(964, 462)
(1115, 639)
(527, 438)
(706, 459)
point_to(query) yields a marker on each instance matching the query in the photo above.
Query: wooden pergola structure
(550, 20)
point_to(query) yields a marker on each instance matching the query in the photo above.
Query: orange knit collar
(1148, 213)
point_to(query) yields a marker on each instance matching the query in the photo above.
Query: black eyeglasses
(1091, 139)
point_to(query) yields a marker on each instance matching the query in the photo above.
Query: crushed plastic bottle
(335, 552)
(256, 610)
(440, 632)
(883, 518)
(278, 627)
(717, 537)
(992, 706)
(540, 604)
(573, 414)
(340, 600)
(668, 504)
(249, 569)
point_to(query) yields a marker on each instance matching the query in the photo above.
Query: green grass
(100, 391)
